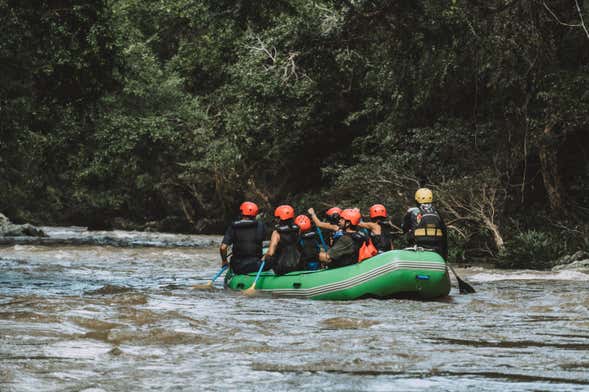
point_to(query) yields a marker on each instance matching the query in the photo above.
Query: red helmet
(284, 212)
(248, 208)
(351, 215)
(333, 210)
(378, 210)
(303, 222)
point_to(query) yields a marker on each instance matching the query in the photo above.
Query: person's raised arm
(373, 227)
(320, 224)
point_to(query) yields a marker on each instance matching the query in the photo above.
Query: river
(98, 317)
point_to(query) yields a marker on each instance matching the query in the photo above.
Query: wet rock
(8, 229)
(570, 261)
(116, 351)
(119, 223)
(579, 265)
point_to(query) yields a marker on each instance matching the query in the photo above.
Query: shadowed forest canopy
(168, 114)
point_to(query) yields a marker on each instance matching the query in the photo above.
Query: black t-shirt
(343, 252)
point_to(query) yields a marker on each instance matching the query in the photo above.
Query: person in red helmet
(346, 248)
(380, 228)
(308, 245)
(283, 254)
(246, 234)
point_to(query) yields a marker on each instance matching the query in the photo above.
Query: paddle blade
(465, 288)
(250, 291)
(206, 286)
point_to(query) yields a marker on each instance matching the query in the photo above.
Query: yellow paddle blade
(250, 291)
(206, 286)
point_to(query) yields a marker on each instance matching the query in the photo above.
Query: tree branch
(581, 17)
(557, 18)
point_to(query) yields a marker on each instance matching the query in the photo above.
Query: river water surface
(97, 317)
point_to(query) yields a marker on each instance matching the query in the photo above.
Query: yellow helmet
(424, 195)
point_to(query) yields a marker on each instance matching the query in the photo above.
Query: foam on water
(495, 276)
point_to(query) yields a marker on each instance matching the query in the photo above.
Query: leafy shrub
(530, 249)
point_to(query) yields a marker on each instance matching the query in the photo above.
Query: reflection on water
(110, 318)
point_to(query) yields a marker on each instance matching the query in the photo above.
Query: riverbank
(80, 236)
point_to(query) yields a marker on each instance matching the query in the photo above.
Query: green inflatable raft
(397, 273)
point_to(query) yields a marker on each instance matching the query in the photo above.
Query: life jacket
(335, 236)
(428, 231)
(248, 235)
(286, 258)
(309, 249)
(382, 241)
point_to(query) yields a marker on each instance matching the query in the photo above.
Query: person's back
(424, 225)
(283, 254)
(384, 242)
(380, 228)
(308, 244)
(246, 236)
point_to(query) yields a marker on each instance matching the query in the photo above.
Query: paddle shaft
(323, 244)
(223, 268)
(253, 287)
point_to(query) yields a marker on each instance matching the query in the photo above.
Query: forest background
(167, 114)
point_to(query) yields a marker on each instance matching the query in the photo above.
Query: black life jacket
(428, 231)
(309, 248)
(286, 258)
(248, 235)
(382, 241)
(358, 238)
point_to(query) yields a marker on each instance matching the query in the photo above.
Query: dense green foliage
(170, 113)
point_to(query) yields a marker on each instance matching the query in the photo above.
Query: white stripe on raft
(358, 279)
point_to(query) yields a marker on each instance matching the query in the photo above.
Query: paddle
(252, 289)
(209, 284)
(463, 287)
(323, 244)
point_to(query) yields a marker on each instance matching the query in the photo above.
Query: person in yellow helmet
(424, 226)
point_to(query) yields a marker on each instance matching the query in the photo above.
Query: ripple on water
(29, 316)
(109, 289)
(348, 323)
(128, 299)
(139, 317)
(158, 337)
(94, 324)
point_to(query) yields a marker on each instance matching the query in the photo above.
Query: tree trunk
(550, 174)
(499, 243)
